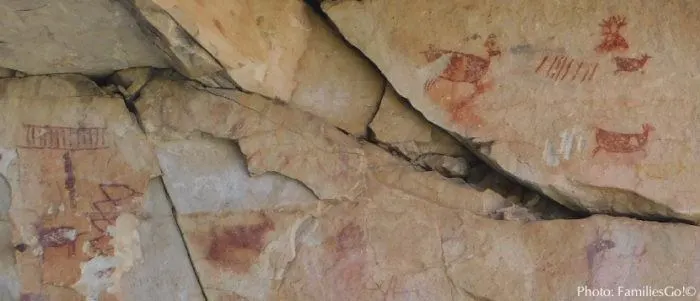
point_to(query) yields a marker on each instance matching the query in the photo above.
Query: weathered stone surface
(131, 80)
(431, 253)
(71, 36)
(78, 168)
(261, 127)
(165, 271)
(401, 237)
(282, 50)
(399, 125)
(446, 165)
(277, 138)
(568, 96)
(9, 280)
(184, 53)
(205, 175)
(4, 72)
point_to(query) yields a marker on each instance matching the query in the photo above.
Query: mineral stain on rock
(597, 247)
(58, 237)
(350, 237)
(348, 263)
(238, 247)
(32, 297)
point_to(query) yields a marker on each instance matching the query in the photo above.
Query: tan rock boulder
(275, 138)
(183, 51)
(395, 246)
(71, 36)
(399, 125)
(589, 105)
(401, 236)
(282, 50)
(9, 280)
(83, 213)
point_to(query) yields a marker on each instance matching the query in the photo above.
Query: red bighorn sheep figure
(615, 142)
(612, 39)
(462, 67)
(630, 64)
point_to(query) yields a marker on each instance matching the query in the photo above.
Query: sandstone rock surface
(78, 169)
(276, 163)
(72, 36)
(400, 126)
(282, 50)
(570, 98)
(397, 236)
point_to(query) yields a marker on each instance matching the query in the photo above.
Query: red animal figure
(58, 237)
(612, 39)
(630, 64)
(462, 67)
(615, 142)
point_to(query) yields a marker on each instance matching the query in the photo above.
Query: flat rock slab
(595, 104)
(380, 232)
(283, 50)
(72, 36)
(82, 209)
(274, 138)
(398, 125)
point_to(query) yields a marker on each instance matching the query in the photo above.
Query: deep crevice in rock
(544, 206)
(482, 175)
(182, 235)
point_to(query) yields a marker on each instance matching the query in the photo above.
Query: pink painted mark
(612, 39)
(32, 297)
(58, 237)
(630, 64)
(615, 142)
(463, 68)
(347, 274)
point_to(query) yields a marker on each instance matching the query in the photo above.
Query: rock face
(376, 230)
(276, 163)
(84, 217)
(570, 98)
(282, 50)
(72, 36)
(398, 125)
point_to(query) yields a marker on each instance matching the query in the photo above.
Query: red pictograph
(106, 212)
(612, 38)
(630, 64)
(615, 142)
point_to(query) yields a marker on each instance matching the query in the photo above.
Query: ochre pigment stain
(238, 247)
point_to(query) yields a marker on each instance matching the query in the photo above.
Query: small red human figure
(615, 142)
(612, 39)
(630, 64)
